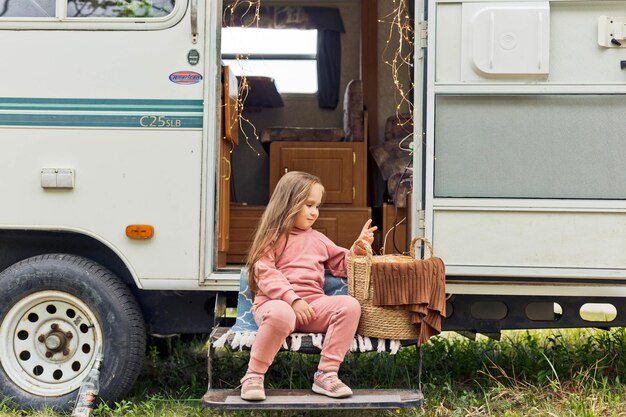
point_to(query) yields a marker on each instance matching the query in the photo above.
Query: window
(27, 8)
(119, 8)
(289, 56)
(87, 8)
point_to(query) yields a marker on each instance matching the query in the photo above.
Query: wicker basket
(379, 322)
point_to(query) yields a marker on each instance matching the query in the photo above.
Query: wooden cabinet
(341, 166)
(243, 223)
(341, 225)
(229, 137)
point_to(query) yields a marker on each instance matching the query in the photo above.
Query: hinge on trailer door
(423, 34)
(421, 38)
(421, 222)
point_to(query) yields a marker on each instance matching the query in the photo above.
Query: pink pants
(337, 316)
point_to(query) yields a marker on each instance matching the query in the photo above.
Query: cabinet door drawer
(333, 166)
(341, 225)
(340, 166)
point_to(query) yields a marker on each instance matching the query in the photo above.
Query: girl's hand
(367, 234)
(304, 312)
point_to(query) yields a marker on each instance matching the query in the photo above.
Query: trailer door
(524, 144)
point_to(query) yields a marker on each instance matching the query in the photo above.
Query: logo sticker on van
(185, 77)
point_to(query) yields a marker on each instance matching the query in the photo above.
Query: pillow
(311, 134)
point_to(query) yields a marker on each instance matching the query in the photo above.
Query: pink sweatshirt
(299, 271)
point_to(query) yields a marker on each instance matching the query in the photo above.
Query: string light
(249, 7)
(245, 9)
(398, 55)
(400, 44)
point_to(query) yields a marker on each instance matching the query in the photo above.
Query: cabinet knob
(286, 170)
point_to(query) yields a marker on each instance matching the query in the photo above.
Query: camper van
(141, 139)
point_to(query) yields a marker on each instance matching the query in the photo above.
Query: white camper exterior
(112, 122)
(105, 122)
(523, 177)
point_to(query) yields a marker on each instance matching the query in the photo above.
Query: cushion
(398, 197)
(390, 158)
(310, 134)
(353, 111)
(398, 127)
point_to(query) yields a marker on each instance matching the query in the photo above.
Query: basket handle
(370, 256)
(426, 243)
(365, 245)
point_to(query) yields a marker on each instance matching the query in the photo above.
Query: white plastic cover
(505, 40)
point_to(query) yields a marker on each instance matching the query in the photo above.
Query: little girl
(286, 273)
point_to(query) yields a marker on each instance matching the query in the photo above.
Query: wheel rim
(48, 342)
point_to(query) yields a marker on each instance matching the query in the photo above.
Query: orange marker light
(139, 231)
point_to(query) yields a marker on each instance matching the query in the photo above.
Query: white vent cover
(505, 40)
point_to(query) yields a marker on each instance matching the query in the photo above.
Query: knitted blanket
(418, 286)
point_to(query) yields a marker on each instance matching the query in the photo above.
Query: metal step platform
(282, 399)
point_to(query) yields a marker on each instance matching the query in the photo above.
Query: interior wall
(250, 160)
(388, 96)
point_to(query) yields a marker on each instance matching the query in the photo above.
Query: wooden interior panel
(243, 224)
(341, 167)
(230, 102)
(329, 226)
(341, 225)
(332, 166)
(229, 132)
(350, 221)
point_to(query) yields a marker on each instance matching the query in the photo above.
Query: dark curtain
(328, 68)
(327, 18)
(329, 25)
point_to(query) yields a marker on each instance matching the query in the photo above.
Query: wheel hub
(56, 341)
(48, 342)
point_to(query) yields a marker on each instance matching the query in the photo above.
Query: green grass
(546, 373)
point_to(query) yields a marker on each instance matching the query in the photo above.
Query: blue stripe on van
(64, 120)
(74, 112)
(13, 103)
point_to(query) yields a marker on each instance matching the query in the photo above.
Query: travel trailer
(137, 155)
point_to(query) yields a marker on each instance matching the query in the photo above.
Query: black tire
(92, 310)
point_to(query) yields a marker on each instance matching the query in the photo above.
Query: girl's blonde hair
(277, 221)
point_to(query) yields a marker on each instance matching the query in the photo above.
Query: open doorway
(314, 104)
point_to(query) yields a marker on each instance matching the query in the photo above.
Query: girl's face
(310, 211)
